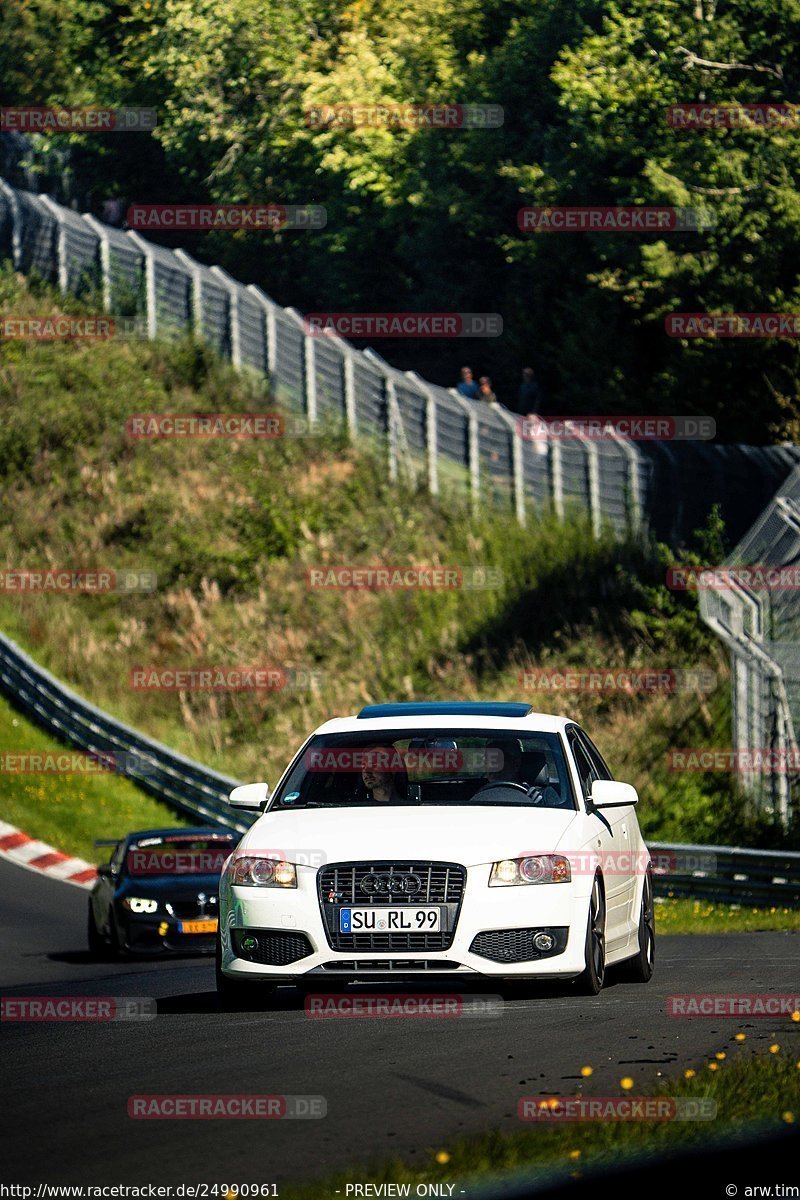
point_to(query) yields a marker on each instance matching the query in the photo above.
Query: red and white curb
(25, 851)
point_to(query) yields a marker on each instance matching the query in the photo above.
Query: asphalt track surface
(396, 1086)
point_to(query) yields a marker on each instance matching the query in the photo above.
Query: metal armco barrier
(184, 785)
(729, 875)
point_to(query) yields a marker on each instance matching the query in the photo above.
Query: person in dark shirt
(468, 387)
(530, 394)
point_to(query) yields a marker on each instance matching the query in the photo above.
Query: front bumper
(289, 923)
(159, 934)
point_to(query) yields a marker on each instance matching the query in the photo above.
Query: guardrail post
(99, 229)
(150, 282)
(16, 224)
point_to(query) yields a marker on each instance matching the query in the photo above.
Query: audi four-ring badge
(437, 840)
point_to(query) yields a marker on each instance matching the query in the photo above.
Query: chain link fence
(760, 624)
(431, 434)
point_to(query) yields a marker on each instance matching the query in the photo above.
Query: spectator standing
(468, 387)
(530, 394)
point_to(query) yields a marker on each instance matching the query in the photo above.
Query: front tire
(98, 947)
(591, 980)
(639, 969)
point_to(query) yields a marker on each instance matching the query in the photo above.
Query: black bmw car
(159, 892)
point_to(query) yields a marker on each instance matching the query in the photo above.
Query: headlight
(263, 872)
(543, 868)
(139, 904)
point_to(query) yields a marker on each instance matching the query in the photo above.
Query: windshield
(179, 855)
(448, 766)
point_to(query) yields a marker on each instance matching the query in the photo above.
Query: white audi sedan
(460, 841)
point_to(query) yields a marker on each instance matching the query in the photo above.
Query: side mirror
(607, 793)
(106, 871)
(250, 795)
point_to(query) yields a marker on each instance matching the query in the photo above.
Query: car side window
(595, 757)
(586, 771)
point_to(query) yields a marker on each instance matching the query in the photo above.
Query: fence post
(196, 305)
(557, 476)
(632, 454)
(516, 463)
(349, 384)
(473, 447)
(16, 224)
(149, 282)
(99, 229)
(234, 328)
(431, 431)
(309, 367)
(592, 467)
(268, 308)
(62, 266)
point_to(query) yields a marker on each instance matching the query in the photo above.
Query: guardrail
(728, 874)
(184, 785)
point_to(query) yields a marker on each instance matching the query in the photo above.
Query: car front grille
(392, 964)
(340, 885)
(273, 947)
(516, 945)
(190, 908)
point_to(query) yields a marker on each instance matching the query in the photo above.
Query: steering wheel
(503, 783)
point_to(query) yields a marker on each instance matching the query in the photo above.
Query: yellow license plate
(199, 926)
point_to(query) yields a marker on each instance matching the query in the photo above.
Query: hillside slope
(231, 529)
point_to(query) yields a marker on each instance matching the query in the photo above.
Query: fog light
(544, 941)
(249, 944)
(163, 928)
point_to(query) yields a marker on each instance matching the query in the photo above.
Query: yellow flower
(788, 1117)
(774, 1048)
(586, 1071)
(740, 1037)
(690, 1074)
(713, 1066)
(442, 1157)
(721, 1054)
(626, 1084)
(574, 1153)
(796, 1016)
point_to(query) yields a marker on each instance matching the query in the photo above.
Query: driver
(505, 759)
